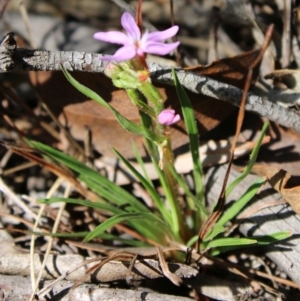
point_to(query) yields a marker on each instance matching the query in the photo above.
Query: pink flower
(134, 43)
(168, 117)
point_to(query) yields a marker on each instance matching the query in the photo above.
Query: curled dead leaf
(286, 91)
(278, 179)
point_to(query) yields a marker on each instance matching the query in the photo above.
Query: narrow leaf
(235, 208)
(228, 241)
(124, 217)
(251, 161)
(191, 128)
(126, 123)
(150, 189)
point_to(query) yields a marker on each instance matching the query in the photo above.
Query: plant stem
(163, 154)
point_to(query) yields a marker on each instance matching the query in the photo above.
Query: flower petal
(168, 117)
(130, 26)
(176, 118)
(115, 37)
(159, 36)
(159, 48)
(123, 54)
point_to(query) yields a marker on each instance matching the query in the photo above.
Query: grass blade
(235, 208)
(153, 193)
(251, 161)
(125, 217)
(228, 241)
(191, 128)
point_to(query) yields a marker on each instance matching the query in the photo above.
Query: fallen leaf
(286, 91)
(232, 71)
(280, 180)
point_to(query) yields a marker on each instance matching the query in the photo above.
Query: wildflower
(136, 44)
(168, 117)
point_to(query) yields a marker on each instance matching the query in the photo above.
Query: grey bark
(9, 291)
(73, 267)
(19, 59)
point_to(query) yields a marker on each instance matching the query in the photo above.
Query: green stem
(180, 227)
(155, 98)
(139, 103)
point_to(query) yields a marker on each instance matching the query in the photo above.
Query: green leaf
(261, 241)
(251, 161)
(94, 180)
(150, 189)
(125, 217)
(235, 208)
(239, 205)
(228, 241)
(125, 123)
(272, 238)
(192, 131)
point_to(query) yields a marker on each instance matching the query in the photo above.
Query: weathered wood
(61, 291)
(74, 267)
(268, 220)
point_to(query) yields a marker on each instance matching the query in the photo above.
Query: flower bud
(112, 70)
(168, 117)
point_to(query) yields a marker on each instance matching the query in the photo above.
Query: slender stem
(141, 105)
(166, 158)
(179, 224)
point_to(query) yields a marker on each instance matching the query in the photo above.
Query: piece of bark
(61, 292)
(56, 266)
(285, 254)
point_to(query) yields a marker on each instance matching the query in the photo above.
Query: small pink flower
(136, 44)
(168, 117)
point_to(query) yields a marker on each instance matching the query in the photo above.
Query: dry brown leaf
(278, 179)
(286, 90)
(232, 71)
(165, 268)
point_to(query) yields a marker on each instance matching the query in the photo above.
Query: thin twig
(286, 34)
(7, 191)
(24, 15)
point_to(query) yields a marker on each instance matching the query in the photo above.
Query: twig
(7, 191)
(286, 34)
(24, 15)
(20, 59)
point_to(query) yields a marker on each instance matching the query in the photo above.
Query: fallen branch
(14, 59)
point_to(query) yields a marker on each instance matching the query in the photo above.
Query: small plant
(167, 224)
